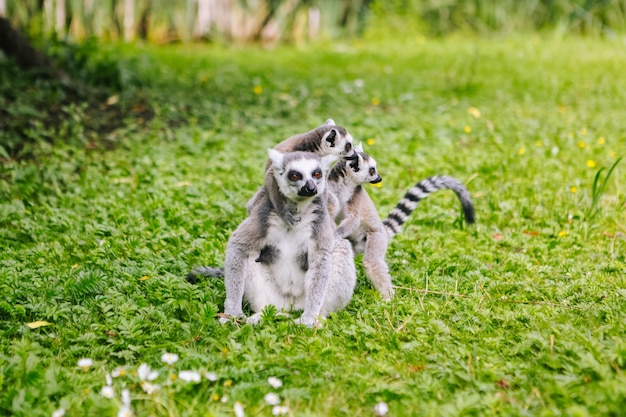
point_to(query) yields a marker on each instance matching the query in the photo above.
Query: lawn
(521, 314)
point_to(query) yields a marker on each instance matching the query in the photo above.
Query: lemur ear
(327, 161)
(276, 157)
(330, 137)
(359, 147)
(329, 122)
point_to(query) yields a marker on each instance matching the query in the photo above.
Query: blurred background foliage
(270, 21)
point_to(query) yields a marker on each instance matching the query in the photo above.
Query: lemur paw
(290, 219)
(227, 318)
(311, 322)
(254, 319)
(387, 294)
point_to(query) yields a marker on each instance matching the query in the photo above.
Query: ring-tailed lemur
(305, 266)
(327, 139)
(358, 220)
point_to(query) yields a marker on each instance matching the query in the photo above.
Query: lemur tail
(396, 218)
(204, 271)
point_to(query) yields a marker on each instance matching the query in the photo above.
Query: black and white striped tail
(396, 218)
(204, 271)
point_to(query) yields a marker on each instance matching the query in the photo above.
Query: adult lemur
(327, 139)
(358, 220)
(304, 266)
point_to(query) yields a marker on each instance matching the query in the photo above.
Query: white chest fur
(292, 245)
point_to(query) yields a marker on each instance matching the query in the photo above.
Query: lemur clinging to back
(358, 220)
(327, 139)
(304, 266)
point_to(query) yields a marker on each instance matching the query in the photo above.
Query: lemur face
(337, 141)
(300, 175)
(363, 169)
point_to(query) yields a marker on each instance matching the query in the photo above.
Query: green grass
(522, 314)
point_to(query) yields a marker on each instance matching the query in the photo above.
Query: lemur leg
(375, 265)
(342, 280)
(316, 283)
(261, 290)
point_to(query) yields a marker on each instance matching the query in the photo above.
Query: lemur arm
(283, 208)
(319, 273)
(352, 220)
(235, 266)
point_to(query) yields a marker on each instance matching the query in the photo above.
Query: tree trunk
(60, 18)
(203, 24)
(129, 20)
(16, 46)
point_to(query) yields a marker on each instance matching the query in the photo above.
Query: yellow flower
(522, 150)
(563, 233)
(474, 112)
(562, 109)
(468, 129)
(144, 278)
(215, 397)
(375, 101)
(371, 141)
(612, 154)
(581, 144)
(573, 189)
(583, 131)
(601, 140)
(538, 144)
(257, 89)
(590, 163)
(228, 383)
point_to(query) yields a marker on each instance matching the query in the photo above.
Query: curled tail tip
(470, 215)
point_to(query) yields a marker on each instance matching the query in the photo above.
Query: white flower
(211, 376)
(169, 358)
(146, 374)
(189, 376)
(275, 382)
(125, 412)
(359, 83)
(126, 399)
(224, 399)
(107, 392)
(280, 410)
(149, 388)
(272, 398)
(381, 409)
(85, 363)
(117, 372)
(59, 413)
(108, 379)
(238, 409)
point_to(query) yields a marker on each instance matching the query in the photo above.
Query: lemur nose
(309, 189)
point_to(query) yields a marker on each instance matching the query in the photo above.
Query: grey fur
(358, 220)
(327, 139)
(204, 271)
(309, 267)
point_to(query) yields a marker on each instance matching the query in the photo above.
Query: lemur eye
(317, 174)
(372, 171)
(294, 176)
(348, 147)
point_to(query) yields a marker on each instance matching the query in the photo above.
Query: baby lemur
(327, 139)
(304, 266)
(358, 220)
